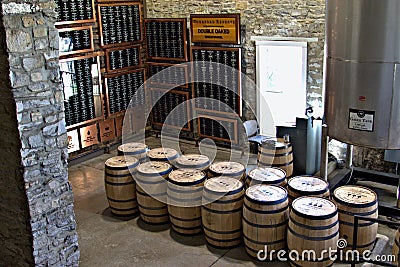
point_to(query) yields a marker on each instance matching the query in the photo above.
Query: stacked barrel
(276, 153)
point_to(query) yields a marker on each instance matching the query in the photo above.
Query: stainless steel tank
(362, 82)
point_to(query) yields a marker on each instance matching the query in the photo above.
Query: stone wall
(279, 18)
(38, 221)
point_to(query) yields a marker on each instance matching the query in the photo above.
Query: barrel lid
(186, 177)
(122, 162)
(193, 161)
(309, 184)
(355, 195)
(266, 174)
(163, 153)
(266, 194)
(154, 167)
(223, 185)
(275, 143)
(227, 168)
(314, 207)
(132, 148)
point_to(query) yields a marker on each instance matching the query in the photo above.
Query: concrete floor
(109, 241)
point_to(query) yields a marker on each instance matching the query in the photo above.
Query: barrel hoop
(264, 225)
(192, 166)
(118, 209)
(224, 240)
(222, 232)
(164, 159)
(122, 168)
(154, 216)
(265, 211)
(267, 182)
(191, 191)
(217, 174)
(309, 227)
(297, 265)
(266, 202)
(366, 205)
(222, 211)
(147, 195)
(186, 183)
(184, 220)
(120, 175)
(362, 246)
(152, 208)
(359, 225)
(125, 215)
(263, 243)
(314, 217)
(276, 165)
(188, 228)
(313, 238)
(185, 199)
(130, 153)
(285, 145)
(121, 200)
(119, 184)
(158, 173)
(223, 201)
(304, 193)
(276, 155)
(224, 193)
(161, 181)
(358, 213)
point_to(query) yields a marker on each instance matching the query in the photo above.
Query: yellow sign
(215, 28)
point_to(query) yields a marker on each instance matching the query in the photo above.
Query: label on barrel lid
(314, 206)
(354, 194)
(133, 147)
(162, 153)
(122, 162)
(307, 184)
(227, 167)
(154, 167)
(223, 184)
(193, 160)
(266, 193)
(267, 174)
(186, 176)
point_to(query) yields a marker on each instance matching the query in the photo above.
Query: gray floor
(108, 241)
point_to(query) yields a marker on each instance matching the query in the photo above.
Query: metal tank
(362, 82)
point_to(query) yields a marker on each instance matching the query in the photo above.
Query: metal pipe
(324, 153)
(349, 156)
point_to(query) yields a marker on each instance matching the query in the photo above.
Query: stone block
(39, 32)
(28, 21)
(31, 63)
(18, 40)
(41, 44)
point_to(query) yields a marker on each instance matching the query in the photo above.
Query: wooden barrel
(221, 211)
(120, 185)
(163, 154)
(138, 150)
(276, 154)
(396, 247)
(227, 168)
(307, 186)
(357, 200)
(265, 219)
(184, 195)
(313, 226)
(193, 161)
(266, 175)
(151, 191)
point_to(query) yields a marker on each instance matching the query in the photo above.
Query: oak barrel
(278, 154)
(265, 219)
(184, 195)
(163, 154)
(193, 161)
(266, 175)
(227, 168)
(307, 186)
(357, 200)
(313, 226)
(151, 191)
(396, 247)
(138, 150)
(221, 211)
(120, 185)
